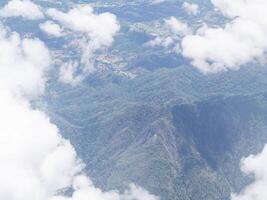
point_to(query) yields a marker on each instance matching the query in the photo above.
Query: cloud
(67, 73)
(22, 57)
(191, 8)
(94, 32)
(154, 2)
(174, 31)
(177, 26)
(36, 162)
(84, 190)
(134, 193)
(22, 8)
(52, 29)
(31, 150)
(99, 28)
(160, 41)
(256, 165)
(240, 41)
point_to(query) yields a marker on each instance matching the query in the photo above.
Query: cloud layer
(32, 151)
(52, 29)
(88, 32)
(256, 165)
(191, 8)
(94, 32)
(22, 8)
(36, 162)
(240, 41)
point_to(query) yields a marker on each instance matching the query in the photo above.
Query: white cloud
(191, 8)
(36, 162)
(100, 28)
(174, 31)
(239, 42)
(160, 41)
(154, 2)
(67, 73)
(31, 150)
(84, 190)
(256, 165)
(178, 27)
(20, 57)
(22, 8)
(134, 193)
(52, 29)
(95, 31)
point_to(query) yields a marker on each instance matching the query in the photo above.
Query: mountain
(140, 112)
(176, 132)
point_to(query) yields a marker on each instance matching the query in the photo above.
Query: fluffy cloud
(22, 57)
(178, 27)
(52, 29)
(95, 32)
(99, 28)
(239, 42)
(89, 32)
(67, 73)
(22, 8)
(160, 41)
(32, 151)
(84, 190)
(256, 165)
(191, 8)
(36, 162)
(175, 30)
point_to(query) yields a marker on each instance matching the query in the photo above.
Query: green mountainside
(176, 132)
